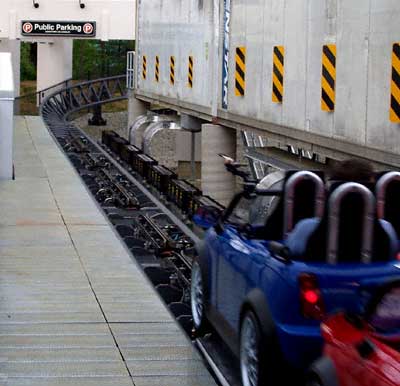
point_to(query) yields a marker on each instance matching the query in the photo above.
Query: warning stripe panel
(278, 74)
(328, 78)
(144, 69)
(240, 73)
(395, 85)
(157, 69)
(172, 70)
(190, 72)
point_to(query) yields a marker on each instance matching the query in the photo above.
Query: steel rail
(55, 111)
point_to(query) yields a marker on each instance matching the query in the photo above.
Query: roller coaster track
(57, 110)
(60, 105)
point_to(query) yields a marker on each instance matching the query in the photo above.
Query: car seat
(349, 230)
(304, 197)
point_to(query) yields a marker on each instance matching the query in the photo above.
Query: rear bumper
(300, 345)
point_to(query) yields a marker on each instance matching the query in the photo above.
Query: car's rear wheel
(250, 351)
(198, 292)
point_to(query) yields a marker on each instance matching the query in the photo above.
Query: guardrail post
(6, 116)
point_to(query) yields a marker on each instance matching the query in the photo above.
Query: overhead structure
(54, 24)
(289, 72)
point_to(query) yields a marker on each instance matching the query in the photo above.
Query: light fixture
(35, 4)
(82, 5)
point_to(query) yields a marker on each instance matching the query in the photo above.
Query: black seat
(350, 232)
(304, 201)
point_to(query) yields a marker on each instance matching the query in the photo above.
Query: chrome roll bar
(334, 220)
(290, 196)
(381, 188)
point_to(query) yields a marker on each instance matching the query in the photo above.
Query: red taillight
(311, 296)
(312, 305)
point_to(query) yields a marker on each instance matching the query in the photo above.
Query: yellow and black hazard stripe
(240, 74)
(144, 69)
(278, 74)
(172, 70)
(328, 80)
(157, 69)
(395, 86)
(190, 72)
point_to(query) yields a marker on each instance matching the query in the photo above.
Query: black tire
(198, 300)
(322, 373)
(259, 363)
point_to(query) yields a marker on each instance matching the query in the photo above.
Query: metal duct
(155, 128)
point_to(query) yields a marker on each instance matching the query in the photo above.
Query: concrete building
(71, 19)
(309, 75)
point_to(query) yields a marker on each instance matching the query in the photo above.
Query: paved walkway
(74, 308)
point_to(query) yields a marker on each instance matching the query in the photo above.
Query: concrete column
(7, 116)
(136, 108)
(54, 63)
(183, 146)
(14, 47)
(216, 181)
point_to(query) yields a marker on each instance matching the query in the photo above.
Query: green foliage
(92, 59)
(97, 59)
(28, 64)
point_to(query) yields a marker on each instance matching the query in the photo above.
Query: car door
(231, 281)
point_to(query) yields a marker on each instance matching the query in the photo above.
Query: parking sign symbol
(88, 28)
(27, 28)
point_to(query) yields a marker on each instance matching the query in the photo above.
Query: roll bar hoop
(334, 220)
(381, 188)
(290, 190)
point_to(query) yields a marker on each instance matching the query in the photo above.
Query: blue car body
(237, 267)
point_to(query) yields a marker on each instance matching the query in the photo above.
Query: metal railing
(58, 107)
(28, 104)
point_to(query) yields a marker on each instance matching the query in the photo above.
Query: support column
(54, 63)
(14, 47)
(7, 117)
(136, 108)
(216, 181)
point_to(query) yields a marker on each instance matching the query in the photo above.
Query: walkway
(74, 307)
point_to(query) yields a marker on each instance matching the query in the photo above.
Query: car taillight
(312, 305)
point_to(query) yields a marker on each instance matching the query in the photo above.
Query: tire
(323, 373)
(198, 293)
(314, 382)
(259, 365)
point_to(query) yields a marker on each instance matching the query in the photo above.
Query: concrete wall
(115, 18)
(13, 47)
(179, 28)
(363, 31)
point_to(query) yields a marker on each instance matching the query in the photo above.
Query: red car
(362, 351)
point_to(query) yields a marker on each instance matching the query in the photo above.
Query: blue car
(267, 300)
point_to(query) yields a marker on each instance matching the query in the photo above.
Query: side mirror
(280, 252)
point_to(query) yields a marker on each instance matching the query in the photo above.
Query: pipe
(155, 128)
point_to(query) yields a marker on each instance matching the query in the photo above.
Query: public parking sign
(58, 28)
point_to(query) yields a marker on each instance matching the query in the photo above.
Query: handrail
(66, 82)
(38, 96)
(58, 106)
